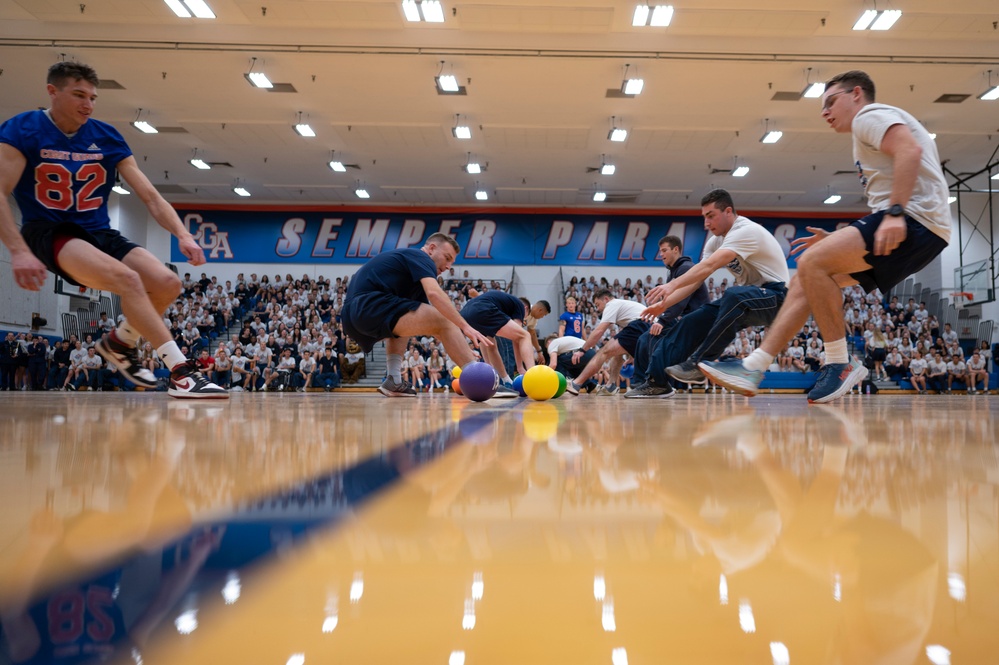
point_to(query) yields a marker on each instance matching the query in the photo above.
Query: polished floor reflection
(310, 528)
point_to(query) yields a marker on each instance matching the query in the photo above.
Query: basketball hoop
(962, 299)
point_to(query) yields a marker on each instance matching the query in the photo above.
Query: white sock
(126, 334)
(836, 352)
(757, 361)
(505, 379)
(171, 355)
(393, 365)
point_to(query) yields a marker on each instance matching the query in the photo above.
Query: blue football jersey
(66, 179)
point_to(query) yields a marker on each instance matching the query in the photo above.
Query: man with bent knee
(395, 296)
(910, 226)
(60, 165)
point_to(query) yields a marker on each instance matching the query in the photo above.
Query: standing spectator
(38, 353)
(570, 324)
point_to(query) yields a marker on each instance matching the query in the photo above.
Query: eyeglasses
(829, 100)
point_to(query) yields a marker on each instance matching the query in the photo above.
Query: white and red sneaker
(186, 382)
(126, 359)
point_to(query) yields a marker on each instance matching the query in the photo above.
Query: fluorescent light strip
(641, 16)
(304, 130)
(608, 169)
(242, 191)
(662, 15)
(865, 19)
(362, 194)
(338, 167)
(990, 95)
(833, 198)
(482, 195)
(259, 80)
(633, 86)
(145, 127)
(618, 135)
(740, 171)
(887, 19)
(995, 177)
(599, 197)
(432, 11)
(411, 11)
(462, 132)
(772, 136)
(473, 168)
(120, 190)
(448, 83)
(200, 164)
(814, 91)
(178, 8)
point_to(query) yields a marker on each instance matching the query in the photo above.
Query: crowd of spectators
(290, 338)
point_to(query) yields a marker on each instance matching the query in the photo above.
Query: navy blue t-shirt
(398, 272)
(504, 302)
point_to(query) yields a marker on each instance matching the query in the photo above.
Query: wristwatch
(896, 210)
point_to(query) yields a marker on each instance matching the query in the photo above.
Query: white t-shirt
(621, 312)
(564, 345)
(759, 258)
(928, 202)
(917, 366)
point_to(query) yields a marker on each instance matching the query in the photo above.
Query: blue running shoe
(733, 375)
(836, 380)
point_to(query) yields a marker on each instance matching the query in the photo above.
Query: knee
(167, 285)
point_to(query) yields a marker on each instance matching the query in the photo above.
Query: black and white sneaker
(126, 360)
(391, 388)
(186, 382)
(649, 391)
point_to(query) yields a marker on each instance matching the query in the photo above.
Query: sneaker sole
(683, 379)
(660, 396)
(735, 384)
(111, 357)
(856, 376)
(183, 394)
(390, 393)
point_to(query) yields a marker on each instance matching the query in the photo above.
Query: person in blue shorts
(910, 225)
(499, 314)
(395, 296)
(60, 165)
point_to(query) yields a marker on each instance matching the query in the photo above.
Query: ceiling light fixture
(992, 93)
(607, 169)
(599, 197)
(831, 196)
(199, 163)
(471, 167)
(812, 90)
(770, 135)
(430, 11)
(185, 8)
(361, 193)
(336, 164)
(617, 134)
(631, 86)
(481, 194)
(874, 20)
(257, 79)
(119, 188)
(658, 16)
(303, 128)
(239, 189)
(142, 125)
(460, 131)
(739, 171)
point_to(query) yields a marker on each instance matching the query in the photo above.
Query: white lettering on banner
(208, 236)
(291, 237)
(633, 247)
(411, 234)
(558, 236)
(595, 247)
(449, 225)
(326, 235)
(481, 243)
(368, 239)
(785, 234)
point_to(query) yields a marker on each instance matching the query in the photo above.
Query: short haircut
(719, 198)
(672, 241)
(852, 79)
(603, 293)
(546, 304)
(438, 238)
(570, 298)
(526, 303)
(61, 72)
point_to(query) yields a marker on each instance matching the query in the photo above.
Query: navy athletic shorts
(628, 336)
(919, 248)
(41, 235)
(370, 317)
(484, 316)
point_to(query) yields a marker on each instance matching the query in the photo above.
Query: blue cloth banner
(507, 238)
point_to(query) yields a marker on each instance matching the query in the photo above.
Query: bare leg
(427, 320)
(612, 347)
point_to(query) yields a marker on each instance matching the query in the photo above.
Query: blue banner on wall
(507, 238)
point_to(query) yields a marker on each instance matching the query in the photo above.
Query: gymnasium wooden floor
(352, 528)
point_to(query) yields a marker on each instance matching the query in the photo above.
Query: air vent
(172, 130)
(950, 99)
(282, 87)
(784, 96)
(110, 84)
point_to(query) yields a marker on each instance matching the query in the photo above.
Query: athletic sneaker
(605, 391)
(186, 382)
(505, 392)
(733, 375)
(836, 380)
(648, 391)
(572, 388)
(391, 388)
(686, 372)
(126, 360)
